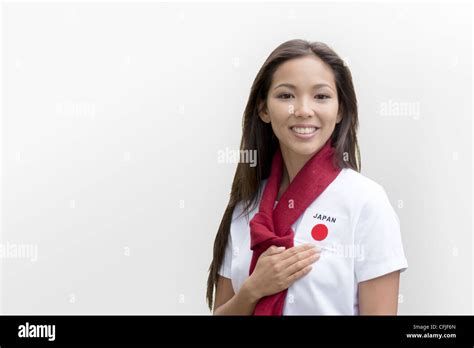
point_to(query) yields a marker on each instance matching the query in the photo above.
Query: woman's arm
(229, 303)
(379, 296)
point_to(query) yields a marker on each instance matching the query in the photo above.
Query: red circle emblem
(319, 232)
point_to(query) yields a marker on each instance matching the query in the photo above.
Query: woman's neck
(292, 164)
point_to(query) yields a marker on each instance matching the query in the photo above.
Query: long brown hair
(258, 135)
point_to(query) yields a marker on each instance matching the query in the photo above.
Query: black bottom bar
(288, 330)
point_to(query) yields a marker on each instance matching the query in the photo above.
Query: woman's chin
(306, 149)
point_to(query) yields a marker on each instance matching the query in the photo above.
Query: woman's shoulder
(358, 183)
(366, 196)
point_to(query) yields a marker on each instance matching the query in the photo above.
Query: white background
(113, 115)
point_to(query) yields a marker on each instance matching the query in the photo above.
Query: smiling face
(302, 105)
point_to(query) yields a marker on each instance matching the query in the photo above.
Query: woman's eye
(284, 96)
(322, 96)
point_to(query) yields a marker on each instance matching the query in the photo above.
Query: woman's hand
(277, 269)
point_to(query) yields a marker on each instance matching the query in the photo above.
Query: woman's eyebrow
(289, 85)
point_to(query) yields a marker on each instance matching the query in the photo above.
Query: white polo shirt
(359, 233)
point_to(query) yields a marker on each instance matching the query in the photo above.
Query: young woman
(304, 232)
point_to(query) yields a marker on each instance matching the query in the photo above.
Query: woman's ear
(263, 114)
(339, 118)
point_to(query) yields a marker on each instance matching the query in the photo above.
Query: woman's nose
(302, 109)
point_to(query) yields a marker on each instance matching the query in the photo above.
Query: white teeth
(307, 130)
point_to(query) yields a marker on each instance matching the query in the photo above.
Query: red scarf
(273, 226)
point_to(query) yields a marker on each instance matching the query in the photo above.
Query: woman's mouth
(304, 132)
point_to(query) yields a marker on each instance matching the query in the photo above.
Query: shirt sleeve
(225, 267)
(378, 238)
